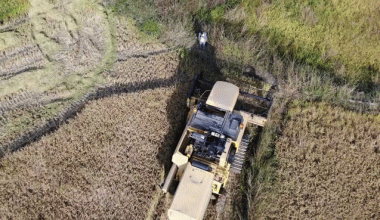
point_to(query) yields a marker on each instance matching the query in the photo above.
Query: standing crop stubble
(328, 165)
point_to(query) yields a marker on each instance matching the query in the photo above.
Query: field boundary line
(143, 55)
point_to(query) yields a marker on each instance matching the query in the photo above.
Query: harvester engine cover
(208, 146)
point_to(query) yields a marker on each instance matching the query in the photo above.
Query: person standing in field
(202, 37)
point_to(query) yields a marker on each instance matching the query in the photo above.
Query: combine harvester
(213, 144)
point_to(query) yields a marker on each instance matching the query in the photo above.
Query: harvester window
(213, 111)
(231, 127)
(234, 124)
(208, 119)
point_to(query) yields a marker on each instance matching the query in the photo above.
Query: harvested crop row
(103, 164)
(131, 41)
(161, 66)
(20, 60)
(140, 58)
(329, 165)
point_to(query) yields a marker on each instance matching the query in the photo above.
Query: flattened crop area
(329, 165)
(105, 163)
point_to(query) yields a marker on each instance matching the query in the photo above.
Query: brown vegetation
(328, 167)
(103, 164)
(107, 162)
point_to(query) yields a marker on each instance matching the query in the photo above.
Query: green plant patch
(12, 8)
(203, 15)
(214, 14)
(326, 34)
(150, 27)
(217, 13)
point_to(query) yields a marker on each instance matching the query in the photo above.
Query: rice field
(338, 35)
(106, 163)
(314, 160)
(328, 165)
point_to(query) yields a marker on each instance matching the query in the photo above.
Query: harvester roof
(223, 95)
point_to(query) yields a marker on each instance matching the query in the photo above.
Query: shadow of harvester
(191, 62)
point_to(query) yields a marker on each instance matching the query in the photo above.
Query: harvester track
(237, 164)
(19, 60)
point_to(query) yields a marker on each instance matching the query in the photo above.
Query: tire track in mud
(12, 27)
(35, 54)
(20, 60)
(28, 99)
(79, 46)
(5, 55)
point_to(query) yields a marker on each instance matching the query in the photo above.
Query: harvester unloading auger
(213, 144)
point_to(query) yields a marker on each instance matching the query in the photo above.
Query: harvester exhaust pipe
(169, 178)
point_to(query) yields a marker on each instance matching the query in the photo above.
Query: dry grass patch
(102, 164)
(328, 165)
